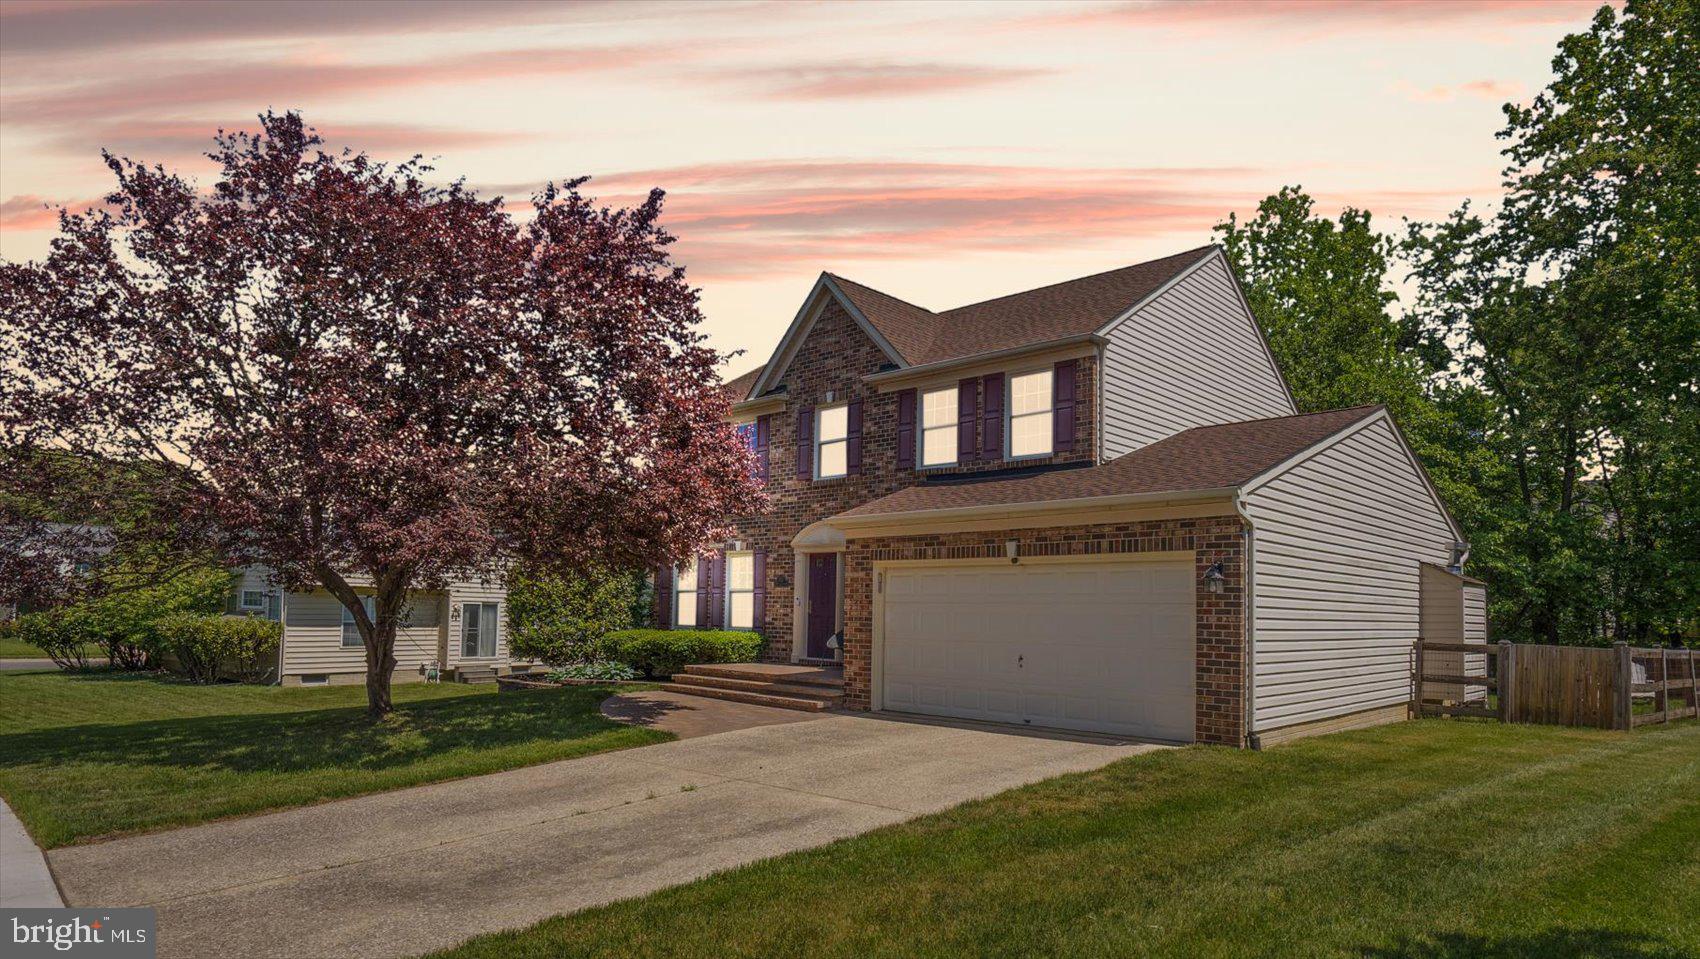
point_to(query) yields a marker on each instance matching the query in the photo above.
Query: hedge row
(662, 652)
(204, 648)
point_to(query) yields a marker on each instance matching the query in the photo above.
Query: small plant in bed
(604, 671)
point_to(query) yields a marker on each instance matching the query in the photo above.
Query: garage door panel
(1102, 646)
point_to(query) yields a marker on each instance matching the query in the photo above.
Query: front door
(822, 616)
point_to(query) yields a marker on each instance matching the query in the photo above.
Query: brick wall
(1220, 655)
(834, 358)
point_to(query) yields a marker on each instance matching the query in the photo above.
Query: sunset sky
(944, 153)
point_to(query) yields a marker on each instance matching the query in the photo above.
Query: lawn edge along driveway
(1436, 839)
(89, 757)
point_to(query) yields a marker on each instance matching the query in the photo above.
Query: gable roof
(738, 388)
(916, 336)
(1071, 308)
(1220, 457)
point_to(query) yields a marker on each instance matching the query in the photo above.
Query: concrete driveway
(405, 872)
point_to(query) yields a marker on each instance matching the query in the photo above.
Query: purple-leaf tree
(361, 380)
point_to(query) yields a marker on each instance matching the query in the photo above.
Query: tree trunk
(377, 630)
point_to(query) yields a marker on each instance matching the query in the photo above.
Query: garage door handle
(1019, 660)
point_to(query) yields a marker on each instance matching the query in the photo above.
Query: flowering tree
(337, 370)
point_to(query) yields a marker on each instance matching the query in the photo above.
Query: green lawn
(83, 756)
(1428, 839)
(18, 649)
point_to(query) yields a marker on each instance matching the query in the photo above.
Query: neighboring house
(1088, 506)
(462, 629)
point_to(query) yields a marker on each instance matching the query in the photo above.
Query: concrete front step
(812, 705)
(802, 690)
(768, 673)
(484, 675)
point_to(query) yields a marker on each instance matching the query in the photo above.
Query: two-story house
(1090, 506)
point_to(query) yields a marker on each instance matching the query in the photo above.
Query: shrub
(559, 619)
(63, 634)
(604, 671)
(204, 648)
(663, 652)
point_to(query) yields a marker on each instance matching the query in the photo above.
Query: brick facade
(833, 359)
(1220, 655)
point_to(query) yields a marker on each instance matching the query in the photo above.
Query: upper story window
(350, 629)
(253, 599)
(741, 590)
(1030, 407)
(685, 595)
(938, 427)
(832, 442)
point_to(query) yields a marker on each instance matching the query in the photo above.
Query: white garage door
(1100, 647)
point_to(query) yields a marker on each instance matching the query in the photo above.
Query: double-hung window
(685, 595)
(253, 599)
(741, 590)
(478, 630)
(832, 442)
(938, 427)
(350, 629)
(1030, 403)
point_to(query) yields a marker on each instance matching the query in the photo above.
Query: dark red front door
(823, 603)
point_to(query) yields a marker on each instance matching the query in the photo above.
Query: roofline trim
(922, 516)
(1010, 351)
(1466, 577)
(804, 321)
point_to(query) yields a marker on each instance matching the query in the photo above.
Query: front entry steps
(808, 688)
(475, 674)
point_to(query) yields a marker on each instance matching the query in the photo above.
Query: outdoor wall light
(782, 581)
(1213, 578)
(1012, 549)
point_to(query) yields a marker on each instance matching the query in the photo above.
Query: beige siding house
(461, 631)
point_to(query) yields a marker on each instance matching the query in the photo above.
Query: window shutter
(662, 612)
(763, 427)
(906, 430)
(967, 415)
(992, 423)
(806, 443)
(717, 591)
(705, 566)
(853, 438)
(1062, 406)
(758, 602)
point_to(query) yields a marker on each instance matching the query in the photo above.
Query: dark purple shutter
(763, 431)
(853, 438)
(663, 611)
(1062, 410)
(705, 569)
(906, 430)
(758, 602)
(806, 443)
(967, 416)
(717, 590)
(992, 421)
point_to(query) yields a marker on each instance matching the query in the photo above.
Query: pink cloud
(179, 141)
(818, 81)
(287, 84)
(26, 212)
(1322, 17)
(1494, 90)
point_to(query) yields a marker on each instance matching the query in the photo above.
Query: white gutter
(940, 365)
(1250, 621)
(922, 516)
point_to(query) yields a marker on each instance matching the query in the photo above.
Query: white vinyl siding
(938, 427)
(832, 442)
(313, 631)
(1031, 398)
(1190, 357)
(1336, 584)
(685, 596)
(480, 592)
(1475, 631)
(741, 590)
(350, 628)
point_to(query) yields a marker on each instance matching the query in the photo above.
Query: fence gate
(1561, 685)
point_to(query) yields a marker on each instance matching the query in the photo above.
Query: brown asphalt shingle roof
(1071, 308)
(739, 387)
(1205, 457)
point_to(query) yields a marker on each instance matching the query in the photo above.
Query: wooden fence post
(1663, 695)
(1506, 666)
(1417, 680)
(1623, 707)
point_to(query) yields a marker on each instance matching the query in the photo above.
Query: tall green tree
(1575, 310)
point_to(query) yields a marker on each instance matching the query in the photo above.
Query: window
(685, 595)
(938, 427)
(832, 443)
(1030, 414)
(253, 599)
(478, 630)
(351, 631)
(741, 590)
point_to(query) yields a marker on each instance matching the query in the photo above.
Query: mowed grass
(1427, 839)
(98, 754)
(18, 649)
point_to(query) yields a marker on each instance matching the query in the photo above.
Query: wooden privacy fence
(1559, 685)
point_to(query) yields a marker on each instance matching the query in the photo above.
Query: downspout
(1251, 738)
